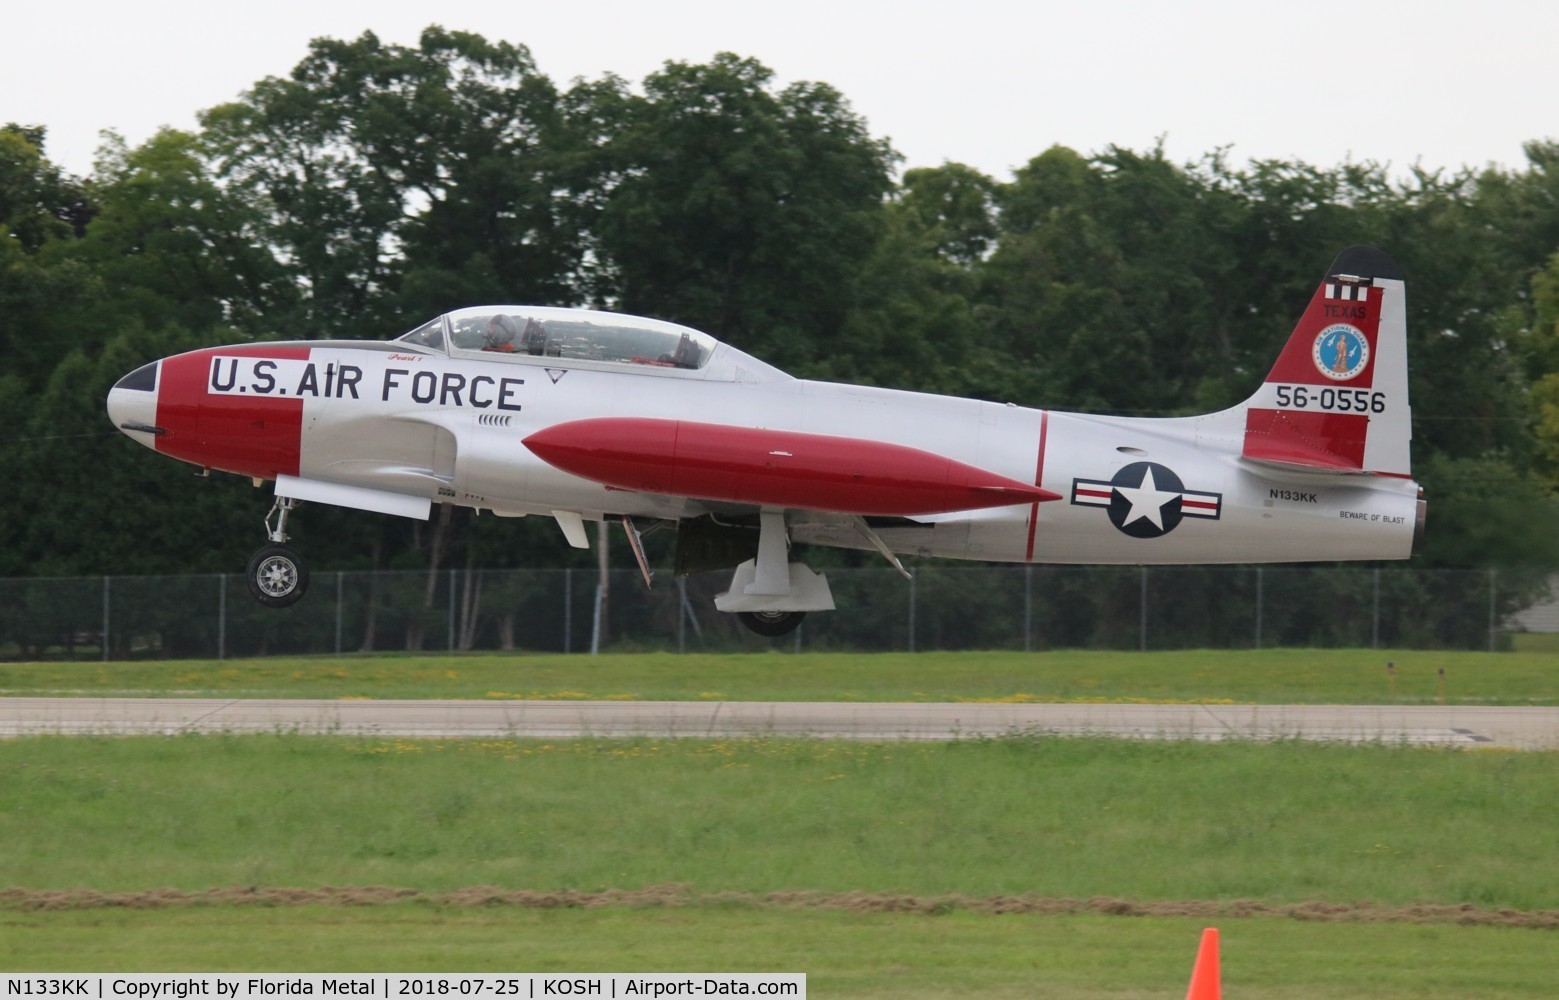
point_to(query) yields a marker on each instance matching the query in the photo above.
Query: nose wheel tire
(771, 623)
(277, 576)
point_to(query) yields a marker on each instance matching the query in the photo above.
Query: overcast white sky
(983, 82)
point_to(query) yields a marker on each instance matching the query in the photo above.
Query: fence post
(221, 616)
(105, 619)
(1028, 607)
(1375, 614)
(339, 590)
(1260, 603)
(681, 614)
(595, 620)
(568, 610)
(1142, 605)
(604, 579)
(1493, 619)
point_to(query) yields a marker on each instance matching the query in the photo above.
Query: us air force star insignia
(1146, 500)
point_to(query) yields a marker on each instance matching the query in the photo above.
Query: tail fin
(1337, 398)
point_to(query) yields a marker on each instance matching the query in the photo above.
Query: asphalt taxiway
(1448, 725)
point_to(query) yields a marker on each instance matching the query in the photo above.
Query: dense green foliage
(377, 185)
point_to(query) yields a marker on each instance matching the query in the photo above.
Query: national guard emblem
(1341, 352)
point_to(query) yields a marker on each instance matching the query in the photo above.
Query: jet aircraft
(582, 415)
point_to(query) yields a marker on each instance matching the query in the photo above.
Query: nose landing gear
(277, 575)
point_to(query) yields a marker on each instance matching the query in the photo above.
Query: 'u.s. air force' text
(296, 378)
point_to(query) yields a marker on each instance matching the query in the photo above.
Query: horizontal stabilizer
(1280, 437)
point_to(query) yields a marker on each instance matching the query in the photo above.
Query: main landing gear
(277, 575)
(771, 623)
(769, 594)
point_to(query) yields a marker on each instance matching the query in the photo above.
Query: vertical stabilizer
(1337, 397)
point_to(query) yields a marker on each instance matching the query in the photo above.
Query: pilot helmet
(500, 331)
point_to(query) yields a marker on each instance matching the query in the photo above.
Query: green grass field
(845, 954)
(1147, 820)
(1403, 872)
(938, 827)
(1275, 676)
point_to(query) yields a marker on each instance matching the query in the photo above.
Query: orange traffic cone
(1204, 976)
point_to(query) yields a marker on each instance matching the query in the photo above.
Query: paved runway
(1460, 725)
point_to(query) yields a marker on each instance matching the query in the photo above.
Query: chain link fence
(959, 607)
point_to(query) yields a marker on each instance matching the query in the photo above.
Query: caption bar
(404, 986)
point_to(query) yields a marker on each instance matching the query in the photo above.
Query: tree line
(378, 185)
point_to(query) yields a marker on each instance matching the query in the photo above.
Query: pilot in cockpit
(499, 335)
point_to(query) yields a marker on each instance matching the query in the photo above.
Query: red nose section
(210, 416)
(773, 468)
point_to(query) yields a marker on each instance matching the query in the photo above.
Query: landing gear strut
(277, 575)
(769, 594)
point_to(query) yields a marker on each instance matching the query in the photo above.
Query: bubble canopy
(569, 334)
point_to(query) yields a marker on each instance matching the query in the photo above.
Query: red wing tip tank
(773, 468)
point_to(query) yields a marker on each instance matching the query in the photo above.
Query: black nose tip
(143, 379)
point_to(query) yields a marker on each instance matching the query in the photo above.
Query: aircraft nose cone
(132, 404)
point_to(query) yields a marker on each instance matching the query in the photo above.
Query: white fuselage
(451, 430)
